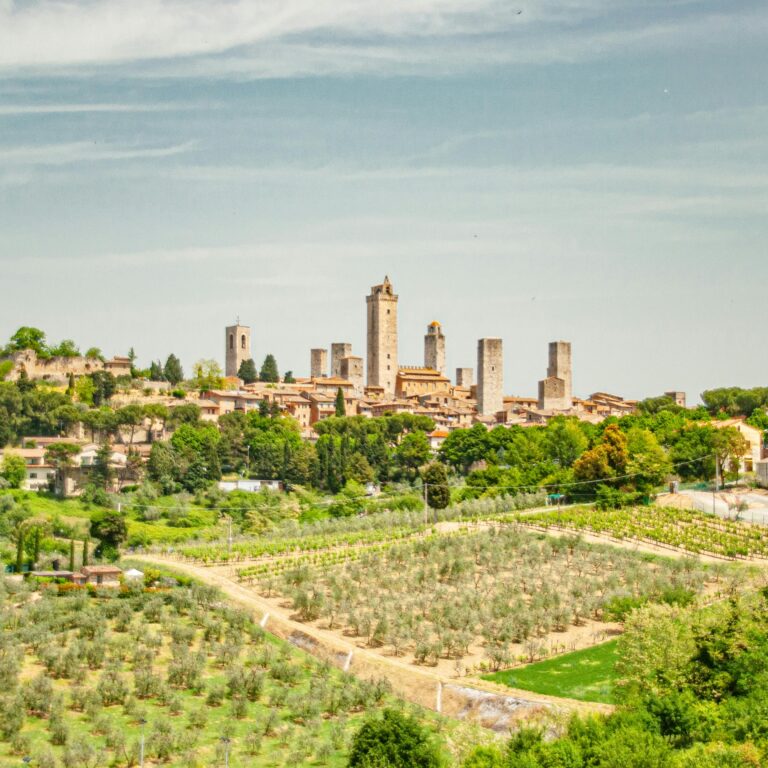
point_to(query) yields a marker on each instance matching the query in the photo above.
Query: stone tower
(490, 377)
(556, 391)
(465, 377)
(339, 350)
(434, 348)
(238, 341)
(382, 336)
(318, 363)
(352, 371)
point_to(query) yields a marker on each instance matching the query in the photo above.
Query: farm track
(460, 697)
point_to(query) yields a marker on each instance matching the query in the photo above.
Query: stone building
(238, 340)
(678, 397)
(419, 381)
(465, 377)
(352, 371)
(318, 363)
(434, 348)
(59, 369)
(339, 350)
(382, 336)
(556, 391)
(490, 376)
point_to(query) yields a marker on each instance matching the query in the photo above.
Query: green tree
(247, 371)
(412, 453)
(66, 348)
(102, 473)
(172, 371)
(393, 740)
(13, 470)
(436, 480)
(156, 371)
(341, 408)
(289, 378)
(61, 455)
(94, 353)
(28, 337)
(131, 416)
(564, 441)
(208, 375)
(104, 386)
(110, 528)
(269, 370)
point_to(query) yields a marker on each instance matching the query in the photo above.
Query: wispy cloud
(276, 38)
(80, 151)
(14, 110)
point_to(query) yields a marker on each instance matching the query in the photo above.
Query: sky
(587, 170)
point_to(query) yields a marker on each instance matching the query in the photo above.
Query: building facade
(382, 336)
(465, 377)
(556, 391)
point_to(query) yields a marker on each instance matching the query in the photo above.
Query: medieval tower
(490, 377)
(556, 391)
(339, 350)
(382, 336)
(318, 363)
(238, 341)
(434, 348)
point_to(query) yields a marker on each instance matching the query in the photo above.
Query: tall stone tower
(556, 391)
(465, 377)
(434, 348)
(382, 336)
(339, 350)
(238, 341)
(490, 376)
(318, 363)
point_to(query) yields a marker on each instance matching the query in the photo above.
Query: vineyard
(84, 674)
(693, 532)
(496, 594)
(344, 532)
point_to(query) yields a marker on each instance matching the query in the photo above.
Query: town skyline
(589, 170)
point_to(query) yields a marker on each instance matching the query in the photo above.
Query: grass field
(585, 675)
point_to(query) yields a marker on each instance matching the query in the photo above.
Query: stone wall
(352, 371)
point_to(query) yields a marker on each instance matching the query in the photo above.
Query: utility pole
(717, 485)
(142, 723)
(226, 741)
(229, 535)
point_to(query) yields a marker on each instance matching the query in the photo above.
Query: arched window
(242, 342)
(231, 341)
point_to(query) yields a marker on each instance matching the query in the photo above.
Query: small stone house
(102, 575)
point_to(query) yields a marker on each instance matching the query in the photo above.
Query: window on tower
(242, 342)
(231, 341)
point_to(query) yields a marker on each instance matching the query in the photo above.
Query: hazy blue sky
(591, 170)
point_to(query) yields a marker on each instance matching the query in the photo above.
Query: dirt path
(493, 705)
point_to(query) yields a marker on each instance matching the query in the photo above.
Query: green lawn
(585, 675)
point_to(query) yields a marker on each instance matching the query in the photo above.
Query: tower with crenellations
(382, 362)
(434, 348)
(238, 347)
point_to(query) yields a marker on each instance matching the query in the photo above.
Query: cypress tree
(269, 370)
(341, 409)
(20, 552)
(36, 547)
(72, 555)
(247, 371)
(85, 550)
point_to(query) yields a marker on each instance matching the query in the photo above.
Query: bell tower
(238, 347)
(382, 336)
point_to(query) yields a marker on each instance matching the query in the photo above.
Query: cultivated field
(83, 674)
(474, 599)
(692, 532)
